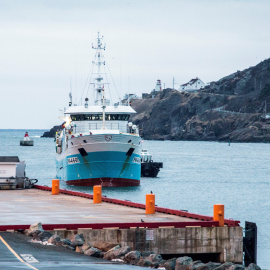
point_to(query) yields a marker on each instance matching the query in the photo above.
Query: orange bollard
(97, 194)
(219, 214)
(150, 204)
(55, 186)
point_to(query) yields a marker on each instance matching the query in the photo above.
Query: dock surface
(167, 231)
(32, 205)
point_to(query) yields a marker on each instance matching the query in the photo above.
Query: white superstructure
(99, 145)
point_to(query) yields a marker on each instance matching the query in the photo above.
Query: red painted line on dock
(228, 222)
(149, 225)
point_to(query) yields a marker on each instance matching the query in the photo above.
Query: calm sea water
(195, 176)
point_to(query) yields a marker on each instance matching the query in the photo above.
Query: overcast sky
(46, 44)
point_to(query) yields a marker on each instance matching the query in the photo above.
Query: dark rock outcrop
(51, 133)
(231, 109)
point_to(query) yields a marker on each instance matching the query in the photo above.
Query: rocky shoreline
(52, 131)
(123, 254)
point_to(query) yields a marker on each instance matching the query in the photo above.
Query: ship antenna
(103, 109)
(70, 95)
(99, 85)
(100, 92)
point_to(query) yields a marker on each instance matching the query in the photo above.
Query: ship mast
(99, 85)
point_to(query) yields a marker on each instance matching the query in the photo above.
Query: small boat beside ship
(149, 168)
(98, 145)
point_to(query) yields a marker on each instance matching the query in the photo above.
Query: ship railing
(97, 126)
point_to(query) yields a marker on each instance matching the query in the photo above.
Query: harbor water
(196, 175)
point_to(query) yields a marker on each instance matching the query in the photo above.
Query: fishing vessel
(98, 145)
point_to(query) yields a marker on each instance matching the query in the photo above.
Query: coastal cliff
(52, 131)
(231, 109)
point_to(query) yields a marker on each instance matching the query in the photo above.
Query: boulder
(209, 266)
(93, 252)
(104, 246)
(116, 253)
(42, 236)
(114, 248)
(224, 266)
(253, 266)
(237, 267)
(77, 240)
(33, 233)
(146, 253)
(78, 249)
(69, 247)
(196, 265)
(54, 239)
(182, 263)
(85, 246)
(155, 260)
(65, 242)
(144, 262)
(169, 264)
(36, 227)
(132, 257)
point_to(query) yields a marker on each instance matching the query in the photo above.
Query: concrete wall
(228, 241)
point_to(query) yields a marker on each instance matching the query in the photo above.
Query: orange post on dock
(150, 204)
(97, 190)
(219, 214)
(55, 186)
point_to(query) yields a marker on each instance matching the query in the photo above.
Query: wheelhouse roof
(98, 109)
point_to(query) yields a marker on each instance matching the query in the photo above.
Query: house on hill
(193, 85)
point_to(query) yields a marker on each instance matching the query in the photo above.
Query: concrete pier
(165, 232)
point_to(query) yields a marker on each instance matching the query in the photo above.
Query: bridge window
(99, 117)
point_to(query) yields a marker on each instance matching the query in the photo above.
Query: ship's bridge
(91, 118)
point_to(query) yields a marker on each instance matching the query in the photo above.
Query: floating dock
(167, 232)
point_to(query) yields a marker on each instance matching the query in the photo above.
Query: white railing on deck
(97, 126)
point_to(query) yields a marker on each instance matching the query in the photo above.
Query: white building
(158, 86)
(130, 96)
(193, 85)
